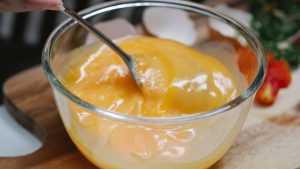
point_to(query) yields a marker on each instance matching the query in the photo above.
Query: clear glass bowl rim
(190, 6)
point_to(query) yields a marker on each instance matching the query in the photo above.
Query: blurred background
(22, 36)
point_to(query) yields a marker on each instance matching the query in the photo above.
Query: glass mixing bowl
(113, 140)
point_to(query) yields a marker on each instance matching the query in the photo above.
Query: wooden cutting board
(270, 138)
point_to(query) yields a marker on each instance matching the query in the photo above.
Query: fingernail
(57, 7)
(54, 4)
(48, 4)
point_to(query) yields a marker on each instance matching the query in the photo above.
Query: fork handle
(71, 13)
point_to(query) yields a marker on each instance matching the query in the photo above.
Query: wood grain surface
(30, 92)
(270, 138)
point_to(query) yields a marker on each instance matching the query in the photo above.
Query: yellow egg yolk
(176, 79)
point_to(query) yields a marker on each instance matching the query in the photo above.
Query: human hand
(29, 5)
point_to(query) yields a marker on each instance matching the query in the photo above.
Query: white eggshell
(226, 30)
(170, 23)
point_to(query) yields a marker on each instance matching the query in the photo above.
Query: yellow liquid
(177, 80)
